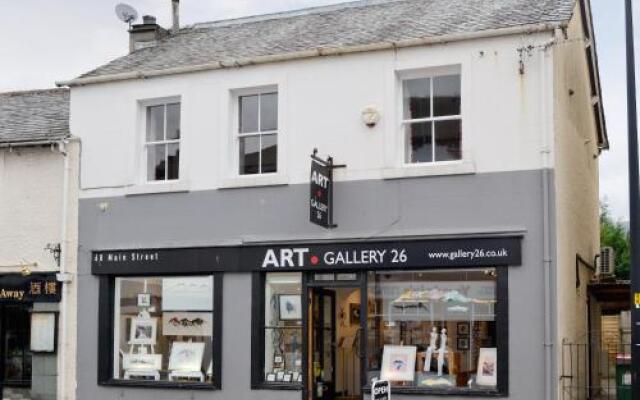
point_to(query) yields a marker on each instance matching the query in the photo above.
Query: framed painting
(398, 363)
(487, 367)
(143, 331)
(186, 356)
(290, 307)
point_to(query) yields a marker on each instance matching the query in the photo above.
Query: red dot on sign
(315, 260)
(319, 193)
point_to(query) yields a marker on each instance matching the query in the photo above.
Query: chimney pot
(148, 19)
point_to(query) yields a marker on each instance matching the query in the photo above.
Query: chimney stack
(145, 34)
(175, 14)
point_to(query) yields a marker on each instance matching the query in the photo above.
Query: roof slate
(349, 24)
(36, 115)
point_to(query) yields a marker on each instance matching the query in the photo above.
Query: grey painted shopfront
(464, 207)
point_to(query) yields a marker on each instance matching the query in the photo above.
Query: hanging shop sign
(17, 288)
(441, 253)
(321, 191)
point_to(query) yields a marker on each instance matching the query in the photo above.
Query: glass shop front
(430, 317)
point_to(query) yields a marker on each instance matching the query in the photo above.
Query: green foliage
(615, 234)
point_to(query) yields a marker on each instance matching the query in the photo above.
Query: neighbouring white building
(39, 162)
(468, 134)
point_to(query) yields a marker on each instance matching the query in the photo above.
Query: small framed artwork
(354, 314)
(463, 328)
(271, 377)
(290, 307)
(143, 331)
(463, 343)
(487, 367)
(279, 376)
(277, 359)
(398, 363)
(144, 299)
(299, 378)
(186, 356)
(295, 376)
(287, 377)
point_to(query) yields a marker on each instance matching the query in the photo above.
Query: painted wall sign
(16, 288)
(442, 253)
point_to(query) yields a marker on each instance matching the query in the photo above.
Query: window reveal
(258, 133)
(432, 121)
(162, 145)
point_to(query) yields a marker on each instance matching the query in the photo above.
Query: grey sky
(42, 41)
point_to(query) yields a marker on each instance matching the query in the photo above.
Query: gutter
(34, 143)
(318, 52)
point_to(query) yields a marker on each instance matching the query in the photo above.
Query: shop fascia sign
(321, 191)
(364, 255)
(44, 288)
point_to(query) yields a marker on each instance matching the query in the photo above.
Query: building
(39, 161)
(465, 136)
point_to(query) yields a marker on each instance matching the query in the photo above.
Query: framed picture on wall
(462, 343)
(463, 328)
(290, 307)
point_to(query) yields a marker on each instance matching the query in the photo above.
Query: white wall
(320, 104)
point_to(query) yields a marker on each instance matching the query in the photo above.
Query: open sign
(380, 390)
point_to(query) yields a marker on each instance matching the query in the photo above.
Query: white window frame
(145, 145)
(237, 135)
(406, 148)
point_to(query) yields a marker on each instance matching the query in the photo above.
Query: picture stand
(141, 360)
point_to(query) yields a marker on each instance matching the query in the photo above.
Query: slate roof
(36, 115)
(350, 24)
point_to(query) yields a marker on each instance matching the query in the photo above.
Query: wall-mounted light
(370, 116)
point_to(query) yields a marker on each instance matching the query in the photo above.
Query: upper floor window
(432, 120)
(162, 144)
(258, 133)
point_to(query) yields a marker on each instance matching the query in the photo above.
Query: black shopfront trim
(106, 309)
(498, 252)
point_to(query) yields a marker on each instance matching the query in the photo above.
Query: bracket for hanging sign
(321, 190)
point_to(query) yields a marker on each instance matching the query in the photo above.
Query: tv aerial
(126, 13)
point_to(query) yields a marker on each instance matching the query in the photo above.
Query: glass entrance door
(322, 321)
(333, 321)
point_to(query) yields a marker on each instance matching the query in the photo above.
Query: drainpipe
(546, 229)
(64, 246)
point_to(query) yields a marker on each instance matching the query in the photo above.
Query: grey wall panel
(364, 209)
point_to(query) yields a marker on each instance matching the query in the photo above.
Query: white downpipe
(62, 374)
(546, 118)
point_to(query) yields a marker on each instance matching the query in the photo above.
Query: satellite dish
(126, 13)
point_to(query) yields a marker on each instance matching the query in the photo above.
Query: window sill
(248, 181)
(159, 187)
(158, 384)
(421, 170)
(277, 386)
(442, 392)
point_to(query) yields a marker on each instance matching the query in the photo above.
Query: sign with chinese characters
(42, 288)
(320, 197)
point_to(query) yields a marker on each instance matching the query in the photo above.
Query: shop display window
(434, 330)
(282, 329)
(164, 329)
